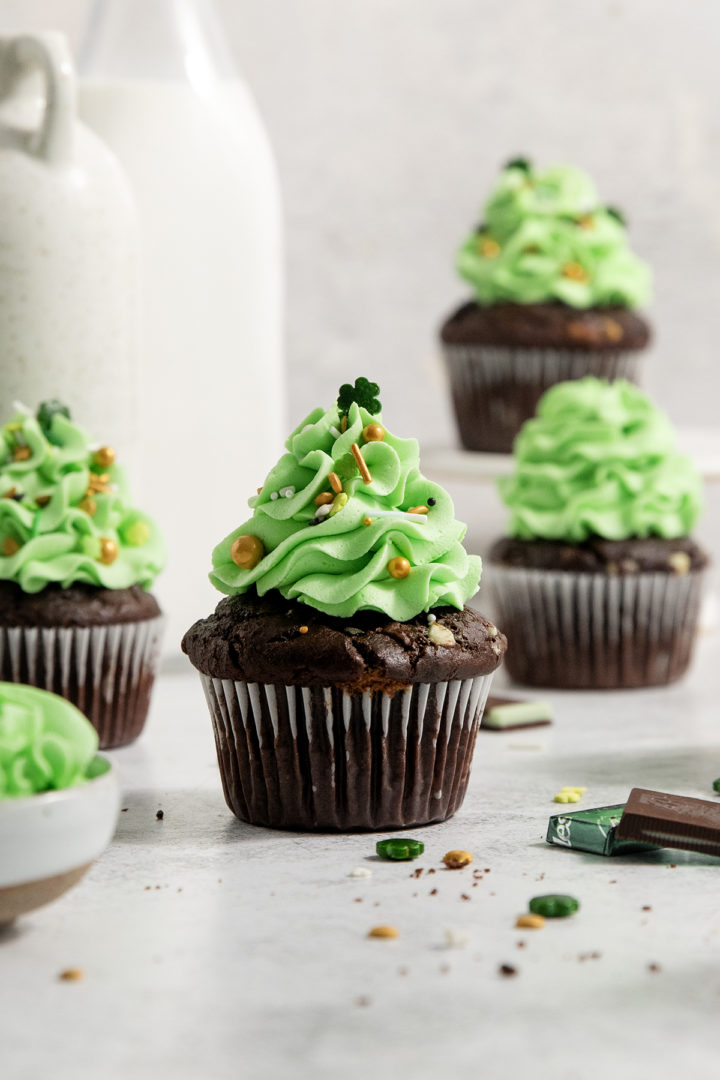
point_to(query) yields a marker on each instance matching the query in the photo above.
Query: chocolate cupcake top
(600, 460)
(45, 742)
(65, 513)
(346, 522)
(545, 236)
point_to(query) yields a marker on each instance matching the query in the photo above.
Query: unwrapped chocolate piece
(673, 821)
(592, 830)
(506, 714)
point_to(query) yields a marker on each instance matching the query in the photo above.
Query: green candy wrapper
(592, 830)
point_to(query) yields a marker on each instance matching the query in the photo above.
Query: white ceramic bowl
(48, 841)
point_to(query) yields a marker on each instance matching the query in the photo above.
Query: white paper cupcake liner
(596, 631)
(322, 759)
(107, 671)
(496, 389)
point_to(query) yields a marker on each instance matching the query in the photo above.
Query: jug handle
(53, 140)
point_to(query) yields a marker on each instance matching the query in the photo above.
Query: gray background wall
(389, 119)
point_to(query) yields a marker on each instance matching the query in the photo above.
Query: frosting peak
(65, 514)
(45, 742)
(346, 521)
(600, 459)
(545, 236)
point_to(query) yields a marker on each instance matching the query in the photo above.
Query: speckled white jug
(68, 249)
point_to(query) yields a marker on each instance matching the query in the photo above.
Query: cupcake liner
(107, 671)
(319, 758)
(594, 631)
(495, 389)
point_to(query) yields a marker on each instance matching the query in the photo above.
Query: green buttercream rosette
(545, 236)
(600, 459)
(65, 518)
(45, 742)
(339, 565)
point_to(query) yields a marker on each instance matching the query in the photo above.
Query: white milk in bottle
(160, 90)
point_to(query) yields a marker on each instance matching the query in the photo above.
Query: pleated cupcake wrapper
(595, 631)
(322, 759)
(107, 671)
(496, 389)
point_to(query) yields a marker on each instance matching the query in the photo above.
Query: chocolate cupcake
(599, 583)
(555, 291)
(344, 675)
(76, 560)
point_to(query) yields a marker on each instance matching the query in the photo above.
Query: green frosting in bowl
(45, 742)
(335, 557)
(65, 513)
(546, 237)
(600, 459)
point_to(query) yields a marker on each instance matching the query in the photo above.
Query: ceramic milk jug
(68, 249)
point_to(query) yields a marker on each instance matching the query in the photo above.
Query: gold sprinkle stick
(360, 460)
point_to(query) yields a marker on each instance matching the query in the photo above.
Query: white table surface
(212, 949)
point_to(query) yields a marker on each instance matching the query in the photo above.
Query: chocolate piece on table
(593, 831)
(505, 714)
(674, 821)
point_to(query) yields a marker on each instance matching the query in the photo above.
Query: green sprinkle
(399, 848)
(554, 905)
(338, 503)
(716, 785)
(364, 393)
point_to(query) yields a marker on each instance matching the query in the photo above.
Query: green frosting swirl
(340, 565)
(600, 459)
(45, 742)
(546, 237)
(64, 518)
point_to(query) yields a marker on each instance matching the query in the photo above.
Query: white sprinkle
(456, 939)
(287, 492)
(431, 619)
(334, 431)
(361, 871)
(273, 494)
(18, 407)
(323, 511)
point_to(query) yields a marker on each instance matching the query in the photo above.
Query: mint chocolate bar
(592, 830)
(672, 821)
(505, 714)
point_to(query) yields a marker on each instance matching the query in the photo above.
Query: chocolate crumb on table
(160, 815)
(507, 970)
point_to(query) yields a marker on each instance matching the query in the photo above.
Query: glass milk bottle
(159, 87)
(68, 249)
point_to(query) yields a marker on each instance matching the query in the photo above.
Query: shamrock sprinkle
(364, 393)
(47, 411)
(521, 163)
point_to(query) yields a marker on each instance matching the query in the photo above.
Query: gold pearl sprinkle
(418, 510)
(367, 520)
(247, 551)
(259, 491)
(399, 567)
(373, 433)
(530, 922)
(108, 551)
(22, 453)
(324, 497)
(10, 493)
(586, 221)
(303, 629)
(383, 932)
(613, 330)
(10, 546)
(104, 457)
(575, 272)
(88, 505)
(455, 860)
(335, 482)
(489, 249)
(360, 462)
(42, 500)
